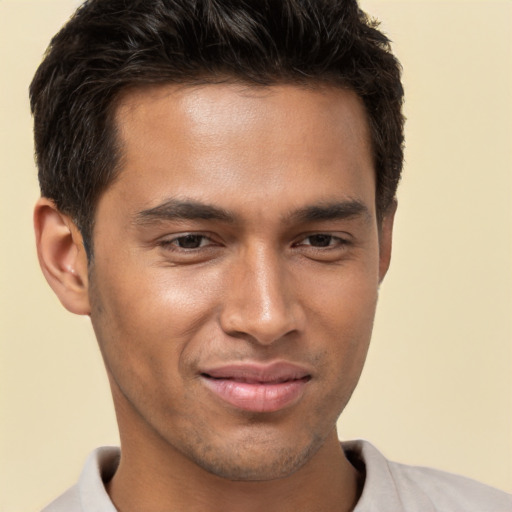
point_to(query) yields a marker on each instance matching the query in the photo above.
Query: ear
(386, 239)
(62, 256)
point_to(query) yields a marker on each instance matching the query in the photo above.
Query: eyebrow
(175, 209)
(339, 210)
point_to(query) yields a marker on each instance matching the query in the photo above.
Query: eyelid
(341, 238)
(169, 241)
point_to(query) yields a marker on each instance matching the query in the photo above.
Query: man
(218, 192)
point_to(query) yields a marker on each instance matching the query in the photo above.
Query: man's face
(235, 276)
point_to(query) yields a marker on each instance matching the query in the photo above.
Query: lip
(258, 387)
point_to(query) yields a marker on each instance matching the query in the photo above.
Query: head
(231, 168)
(110, 47)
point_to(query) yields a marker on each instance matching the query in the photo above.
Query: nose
(259, 302)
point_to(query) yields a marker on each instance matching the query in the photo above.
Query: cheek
(144, 319)
(343, 298)
(341, 314)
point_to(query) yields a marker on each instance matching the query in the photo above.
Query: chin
(263, 469)
(254, 460)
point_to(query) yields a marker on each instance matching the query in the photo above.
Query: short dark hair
(111, 45)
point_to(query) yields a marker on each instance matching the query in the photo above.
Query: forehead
(223, 142)
(232, 108)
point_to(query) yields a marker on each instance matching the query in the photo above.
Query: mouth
(256, 387)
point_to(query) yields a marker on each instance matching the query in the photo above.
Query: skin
(265, 281)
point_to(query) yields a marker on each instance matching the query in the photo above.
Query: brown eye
(190, 241)
(320, 240)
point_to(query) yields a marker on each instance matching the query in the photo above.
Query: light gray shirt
(388, 486)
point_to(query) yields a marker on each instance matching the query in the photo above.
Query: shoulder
(449, 492)
(396, 487)
(89, 492)
(67, 502)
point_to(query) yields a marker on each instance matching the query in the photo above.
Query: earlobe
(386, 239)
(62, 256)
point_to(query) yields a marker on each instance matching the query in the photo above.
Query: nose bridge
(259, 302)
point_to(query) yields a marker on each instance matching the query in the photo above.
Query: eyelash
(339, 242)
(172, 244)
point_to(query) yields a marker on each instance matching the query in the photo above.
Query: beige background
(437, 389)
